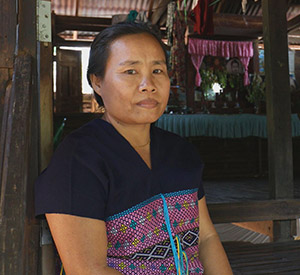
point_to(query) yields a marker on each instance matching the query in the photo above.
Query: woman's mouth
(148, 103)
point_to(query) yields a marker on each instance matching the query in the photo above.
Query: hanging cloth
(178, 50)
(198, 48)
(170, 22)
(203, 17)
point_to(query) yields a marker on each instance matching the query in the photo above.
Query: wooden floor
(269, 258)
(251, 253)
(230, 232)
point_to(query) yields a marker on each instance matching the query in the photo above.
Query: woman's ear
(96, 83)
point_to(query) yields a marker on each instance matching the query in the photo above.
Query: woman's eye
(130, 71)
(157, 71)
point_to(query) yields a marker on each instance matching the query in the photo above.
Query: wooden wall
(19, 231)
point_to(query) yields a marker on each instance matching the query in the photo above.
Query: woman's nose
(147, 85)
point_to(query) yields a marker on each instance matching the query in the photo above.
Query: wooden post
(278, 108)
(19, 230)
(190, 82)
(255, 57)
(46, 138)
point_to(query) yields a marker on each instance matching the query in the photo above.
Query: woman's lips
(147, 103)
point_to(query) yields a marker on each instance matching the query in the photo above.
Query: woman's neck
(138, 135)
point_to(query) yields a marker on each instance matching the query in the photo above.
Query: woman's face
(135, 88)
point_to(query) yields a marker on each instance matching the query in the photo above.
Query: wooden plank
(15, 170)
(159, 11)
(255, 57)
(27, 45)
(150, 10)
(278, 100)
(268, 258)
(293, 23)
(237, 25)
(46, 104)
(19, 229)
(8, 22)
(190, 82)
(247, 211)
(48, 255)
(59, 41)
(80, 23)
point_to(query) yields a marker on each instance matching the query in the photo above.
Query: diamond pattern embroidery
(117, 245)
(133, 224)
(163, 249)
(177, 206)
(132, 266)
(123, 228)
(148, 216)
(156, 231)
(162, 268)
(186, 205)
(122, 265)
(113, 231)
(142, 220)
(154, 213)
(142, 233)
(135, 242)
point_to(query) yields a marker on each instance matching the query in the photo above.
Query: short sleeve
(74, 183)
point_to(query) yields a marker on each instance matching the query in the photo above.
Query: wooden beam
(150, 10)
(247, 211)
(19, 232)
(278, 100)
(159, 11)
(293, 23)
(8, 33)
(190, 82)
(237, 25)
(79, 23)
(48, 254)
(72, 43)
(255, 57)
(280, 153)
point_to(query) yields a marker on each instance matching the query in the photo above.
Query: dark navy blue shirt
(96, 173)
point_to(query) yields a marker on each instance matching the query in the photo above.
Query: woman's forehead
(136, 41)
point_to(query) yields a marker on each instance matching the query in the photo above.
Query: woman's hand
(211, 251)
(81, 244)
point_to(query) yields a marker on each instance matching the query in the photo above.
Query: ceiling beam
(59, 41)
(237, 25)
(150, 10)
(78, 23)
(159, 11)
(293, 23)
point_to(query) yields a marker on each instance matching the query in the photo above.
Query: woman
(120, 195)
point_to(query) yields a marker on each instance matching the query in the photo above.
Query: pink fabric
(245, 61)
(200, 47)
(197, 61)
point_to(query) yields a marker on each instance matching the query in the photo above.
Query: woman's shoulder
(172, 139)
(176, 145)
(88, 135)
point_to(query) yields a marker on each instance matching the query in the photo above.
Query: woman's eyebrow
(134, 62)
(129, 62)
(159, 62)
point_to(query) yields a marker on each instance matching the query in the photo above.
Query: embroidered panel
(138, 241)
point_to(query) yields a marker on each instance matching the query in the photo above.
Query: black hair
(100, 48)
(235, 61)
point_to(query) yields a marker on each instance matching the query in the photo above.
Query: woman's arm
(211, 251)
(81, 244)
